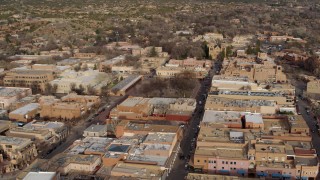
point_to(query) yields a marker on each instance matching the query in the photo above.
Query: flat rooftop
(11, 91)
(26, 109)
(114, 60)
(163, 147)
(40, 176)
(227, 102)
(298, 122)
(132, 140)
(224, 135)
(127, 82)
(276, 125)
(150, 127)
(90, 144)
(226, 152)
(131, 101)
(140, 158)
(270, 148)
(229, 117)
(306, 161)
(44, 125)
(196, 176)
(119, 148)
(211, 116)
(31, 72)
(63, 160)
(96, 128)
(254, 118)
(276, 165)
(136, 171)
(160, 137)
(250, 93)
(16, 141)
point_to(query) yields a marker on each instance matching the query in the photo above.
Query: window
(214, 161)
(236, 163)
(234, 168)
(231, 162)
(222, 167)
(198, 160)
(214, 167)
(226, 162)
(222, 162)
(205, 161)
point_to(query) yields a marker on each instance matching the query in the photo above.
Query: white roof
(40, 176)
(25, 109)
(254, 118)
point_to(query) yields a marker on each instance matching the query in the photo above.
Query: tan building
(42, 176)
(264, 71)
(69, 107)
(65, 163)
(28, 78)
(221, 152)
(16, 152)
(95, 131)
(313, 89)
(196, 176)
(90, 146)
(233, 119)
(141, 171)
(214, 50)
(9, 95)
(121, 88)
(228, 104)
(126, 128)
(190, 62)
(170, 72)
(24, 101)
(146, 51)
(25, 113)
(44, 134)
(85, 55)
(277, 97)
(70, 80)
(138, 108)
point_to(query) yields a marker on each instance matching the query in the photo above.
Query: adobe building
(28, 78)
(25, 113)
(69, 107)
(139, 108)
(16, 153)
(9, 95)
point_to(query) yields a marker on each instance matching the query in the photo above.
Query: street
(76, 131)
(187, 146)
(303, 105)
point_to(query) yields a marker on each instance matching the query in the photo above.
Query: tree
(7, 38)
(73, 86)
(77, 68)
(104, 91)
(35, 88)
(47, 89)
(186, 74)
(91, 90)
(80, 90)
(153, 52)
(84, 67)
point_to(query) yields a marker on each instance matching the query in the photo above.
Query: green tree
(153, 52)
